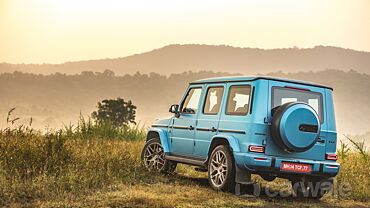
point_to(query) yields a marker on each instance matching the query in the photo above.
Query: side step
(185, 159)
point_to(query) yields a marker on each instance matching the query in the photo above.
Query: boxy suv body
(237, 126)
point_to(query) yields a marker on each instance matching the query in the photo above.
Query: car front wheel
(153, 157)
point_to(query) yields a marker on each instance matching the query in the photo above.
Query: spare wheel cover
(295, 127)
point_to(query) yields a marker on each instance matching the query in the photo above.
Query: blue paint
(254, 128)
(295, 116)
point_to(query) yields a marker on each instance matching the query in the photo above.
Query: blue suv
(237, 126)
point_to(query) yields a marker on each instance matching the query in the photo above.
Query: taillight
(254, 148)
(331, 156)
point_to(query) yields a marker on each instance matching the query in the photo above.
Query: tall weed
(355, 169)
(67, 162)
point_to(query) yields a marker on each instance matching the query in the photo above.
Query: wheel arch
(162, 135)
(229, 140)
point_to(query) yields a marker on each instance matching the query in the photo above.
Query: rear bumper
(260, 163)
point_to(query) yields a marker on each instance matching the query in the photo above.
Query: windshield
(282, 95)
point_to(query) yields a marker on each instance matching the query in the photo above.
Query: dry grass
(191, 195)
(80, 167)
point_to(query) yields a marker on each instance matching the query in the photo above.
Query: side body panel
(246, 129)
(183, 129)
(331, 133)
(207, 124)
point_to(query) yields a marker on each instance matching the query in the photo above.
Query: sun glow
(66, 30)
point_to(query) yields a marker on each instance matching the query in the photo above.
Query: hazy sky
(55, 31)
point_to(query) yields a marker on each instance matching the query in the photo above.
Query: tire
(268, 177)
(221, 169)
(153, 158)
(311, 189)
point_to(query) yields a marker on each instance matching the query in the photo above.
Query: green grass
(98, 165)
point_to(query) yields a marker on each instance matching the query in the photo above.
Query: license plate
(296, 167)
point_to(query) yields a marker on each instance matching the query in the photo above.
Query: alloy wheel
(154, 156)
(218, 168)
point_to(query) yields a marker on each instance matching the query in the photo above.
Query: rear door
(280, 93)
(208, 119)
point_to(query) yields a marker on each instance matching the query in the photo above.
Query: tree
(115, 111)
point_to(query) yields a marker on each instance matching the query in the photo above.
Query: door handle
(213, 129)
(320, 140)
(191, 128)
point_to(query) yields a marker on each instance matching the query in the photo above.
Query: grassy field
(99, 166)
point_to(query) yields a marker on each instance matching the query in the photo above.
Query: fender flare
(233, 142)
(241, 176)
(163, 136)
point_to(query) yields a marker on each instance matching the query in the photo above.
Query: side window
(191, 102)
(238, 100)
(213, 100)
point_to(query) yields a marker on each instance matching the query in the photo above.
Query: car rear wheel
(221, 169)
(153, 157)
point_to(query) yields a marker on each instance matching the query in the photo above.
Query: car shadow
(264, 193)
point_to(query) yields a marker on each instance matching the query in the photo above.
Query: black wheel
(153, 157)
(268, 177)
(311, 188)
(221, 169)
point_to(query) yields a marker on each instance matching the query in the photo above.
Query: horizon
(190, 44)
(53, 31)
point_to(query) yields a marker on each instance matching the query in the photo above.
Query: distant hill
(52, 100)
(179, 58)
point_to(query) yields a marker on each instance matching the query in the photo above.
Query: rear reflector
(253, 148)
(331, 166)
(331, 156)
(258, 158)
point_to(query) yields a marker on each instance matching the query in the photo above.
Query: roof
(249, 79)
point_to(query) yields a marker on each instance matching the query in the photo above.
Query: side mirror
(175, 109)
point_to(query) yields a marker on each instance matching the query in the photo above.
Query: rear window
(213, 100)
(238, 100)
(282, 95)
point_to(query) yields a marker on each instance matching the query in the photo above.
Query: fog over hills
(179, 58)
(53, 100)
(55, 94)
